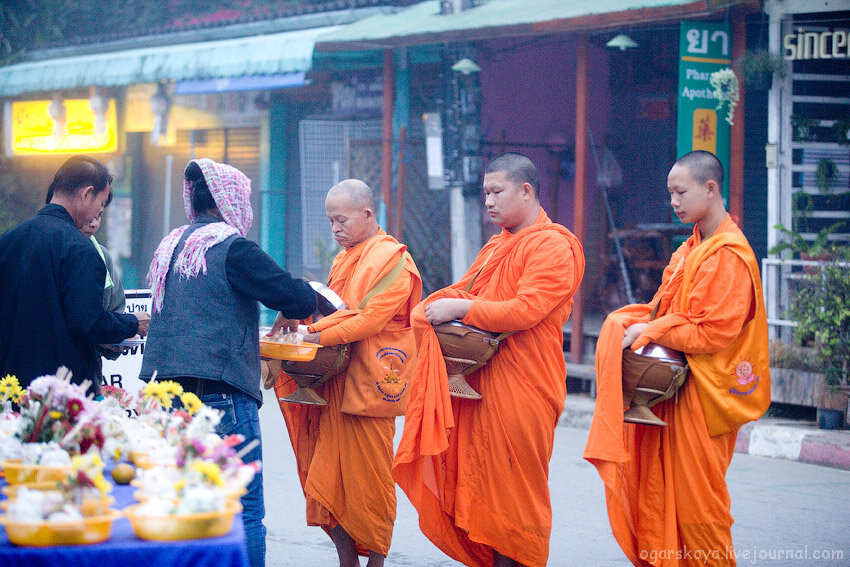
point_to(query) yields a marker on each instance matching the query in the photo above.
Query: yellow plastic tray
(94, 529)
(285, 351)
(18, 473)
(11, 490)
(183, 526)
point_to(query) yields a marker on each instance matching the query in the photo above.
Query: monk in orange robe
(665, 487)
(344, 450)
(477, 471)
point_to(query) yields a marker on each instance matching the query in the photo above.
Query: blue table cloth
(124, 549)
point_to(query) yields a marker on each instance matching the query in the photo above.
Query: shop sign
(361, 94)
(704, 47)
(816, 45)
(31, 130)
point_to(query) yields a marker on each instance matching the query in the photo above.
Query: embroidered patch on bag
(746, 376)
(390, 385)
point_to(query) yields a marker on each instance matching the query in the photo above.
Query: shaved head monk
(344, 450)
(477, 471)
(666, 486)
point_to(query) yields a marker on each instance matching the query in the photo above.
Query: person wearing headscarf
(206, 280)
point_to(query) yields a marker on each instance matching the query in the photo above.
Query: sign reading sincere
(817, 45)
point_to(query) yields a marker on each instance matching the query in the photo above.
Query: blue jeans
(241, 416)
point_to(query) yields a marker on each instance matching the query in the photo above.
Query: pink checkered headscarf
(231, 190)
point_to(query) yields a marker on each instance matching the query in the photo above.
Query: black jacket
(51, 300)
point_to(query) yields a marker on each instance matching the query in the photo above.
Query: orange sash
(733, 384)
(376, 381)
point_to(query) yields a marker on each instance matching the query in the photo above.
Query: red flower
(73, 407)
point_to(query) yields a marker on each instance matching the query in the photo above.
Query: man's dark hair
(518, 169)
(703, 166)
(78, 172)
(202, 199)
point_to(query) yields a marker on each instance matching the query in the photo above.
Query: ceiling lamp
(466, 66)
(622, 41)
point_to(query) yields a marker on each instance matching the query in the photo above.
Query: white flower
(725, 85)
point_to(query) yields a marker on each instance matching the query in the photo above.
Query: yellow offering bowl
(19, 473)
(94, 529)
(183, 526)
(285, 351)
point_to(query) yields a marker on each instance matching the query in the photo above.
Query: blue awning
(269, 54)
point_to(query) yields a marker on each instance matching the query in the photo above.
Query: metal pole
(579, 210)
(624, 272)
(166, 213)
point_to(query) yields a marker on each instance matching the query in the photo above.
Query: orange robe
(344, 460)
(477, 471)
(665, 487)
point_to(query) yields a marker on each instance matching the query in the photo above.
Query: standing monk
(344, 450)
(665, 486)
(477, 471)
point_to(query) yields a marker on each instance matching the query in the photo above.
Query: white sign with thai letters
(123, 372)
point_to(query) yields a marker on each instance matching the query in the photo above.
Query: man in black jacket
(51, 283)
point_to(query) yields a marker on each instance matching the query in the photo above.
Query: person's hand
(632, 333)
(313, 338)
(446, 309)
(281, 322)
(270, 371)
(144, 322)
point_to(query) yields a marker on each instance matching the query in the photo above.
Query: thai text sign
(123, 372)
(71, 127)
(704, 48)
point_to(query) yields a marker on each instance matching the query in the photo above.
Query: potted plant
(820, 248)
(826, 174)
(841, 131)
(801, 128)
(821, 309)
(757, 68)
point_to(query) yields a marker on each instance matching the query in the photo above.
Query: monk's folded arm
(718, 307)
(373, 318)
(547, 279)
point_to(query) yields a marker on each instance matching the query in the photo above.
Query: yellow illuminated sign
(34, 131)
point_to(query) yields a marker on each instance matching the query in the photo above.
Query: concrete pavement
(768, 437)
(788, 513)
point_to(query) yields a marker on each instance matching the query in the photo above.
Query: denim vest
(205, 329)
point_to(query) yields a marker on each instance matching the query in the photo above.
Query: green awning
(422, 23)
(275, 53)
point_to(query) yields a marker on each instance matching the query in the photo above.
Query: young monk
(477, 471)
(344, 450)
(665, 486)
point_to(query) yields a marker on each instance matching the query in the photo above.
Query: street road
(786, 513)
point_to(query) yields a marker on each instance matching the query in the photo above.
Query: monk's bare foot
(500, 560)
(345, 548)
(375, 560)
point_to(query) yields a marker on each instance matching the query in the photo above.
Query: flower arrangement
(160, 394)
(726, 91)
(80, 494)
(205, 472)
(52, 409)
(10, 391)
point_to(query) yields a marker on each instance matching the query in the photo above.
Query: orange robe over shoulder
(344, 461)
(477, 471)
(665, 487)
